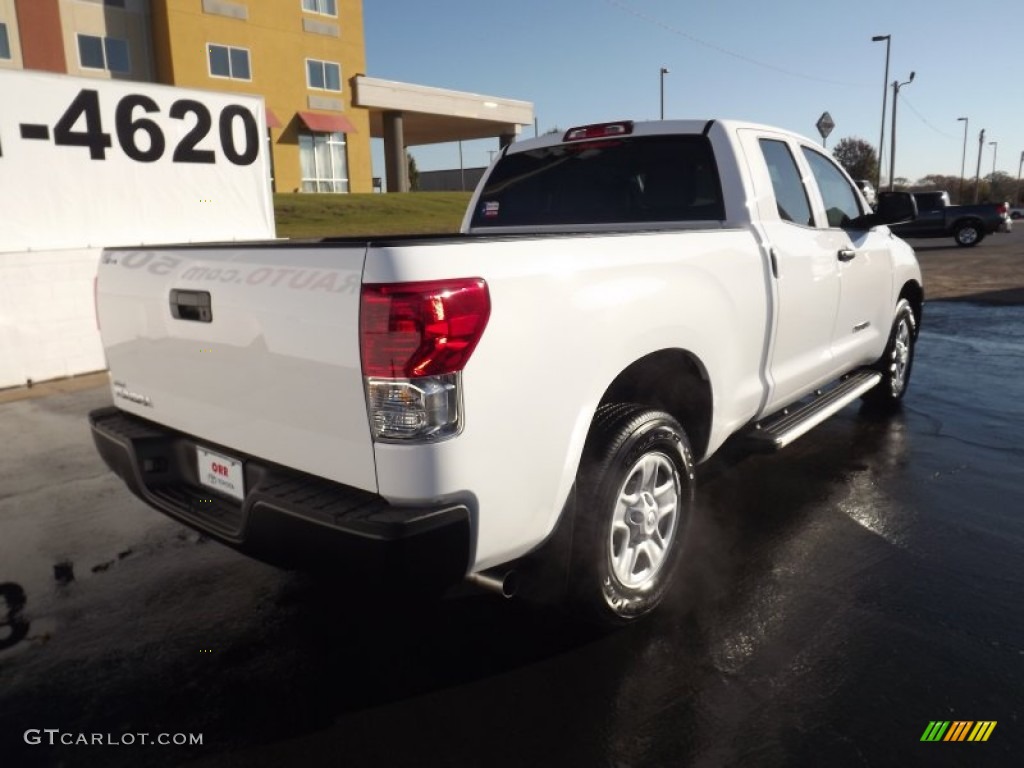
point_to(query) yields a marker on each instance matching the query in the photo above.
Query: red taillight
(1002, 208)
(407, 330)
(599, 131)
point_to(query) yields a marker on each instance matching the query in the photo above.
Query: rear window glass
(604, 181)
(928, 201)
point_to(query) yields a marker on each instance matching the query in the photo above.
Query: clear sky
(782, 63)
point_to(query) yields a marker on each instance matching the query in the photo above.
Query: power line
(924, 120)
(676, 31)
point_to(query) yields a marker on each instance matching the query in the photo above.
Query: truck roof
(651, 128)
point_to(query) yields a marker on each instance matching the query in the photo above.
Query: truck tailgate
(254, 350)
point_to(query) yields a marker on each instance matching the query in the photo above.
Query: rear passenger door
(803, 283)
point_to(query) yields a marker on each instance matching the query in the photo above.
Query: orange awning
(272, 121)
(321, 123)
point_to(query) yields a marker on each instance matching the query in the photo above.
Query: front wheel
(897, 361)
(968, 234)
(634, 500)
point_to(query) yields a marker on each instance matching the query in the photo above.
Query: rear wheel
(897, 361)
(634, 496)
(968, 234)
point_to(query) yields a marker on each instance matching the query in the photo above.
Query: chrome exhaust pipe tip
(501, 582)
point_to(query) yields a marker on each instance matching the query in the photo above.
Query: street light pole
(963, 161)
(664, 72)
(977, 172)
(896, 85)
(885, 93)
(1019, 168)
(994, 144)
(462, 171)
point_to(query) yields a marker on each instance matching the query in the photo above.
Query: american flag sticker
(491, 209)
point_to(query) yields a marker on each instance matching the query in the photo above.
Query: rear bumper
(287, 518)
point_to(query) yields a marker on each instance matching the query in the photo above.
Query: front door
(864, 260)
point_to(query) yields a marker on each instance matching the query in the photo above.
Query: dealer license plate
(221, 473)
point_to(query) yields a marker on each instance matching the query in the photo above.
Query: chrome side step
(783, 428)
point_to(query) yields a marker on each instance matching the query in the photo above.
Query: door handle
(846, 254)
(191, 305)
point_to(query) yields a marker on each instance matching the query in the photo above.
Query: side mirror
(892, 208)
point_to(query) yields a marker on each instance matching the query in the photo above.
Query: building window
(226, 61)
(325, 7)
(109, 53)
(324, 162)
(5, 43)
(325, 75)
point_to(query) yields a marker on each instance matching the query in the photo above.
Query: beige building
(307, 58)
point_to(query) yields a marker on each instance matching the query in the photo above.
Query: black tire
(897, 362)
(630, 450)
(968, 234)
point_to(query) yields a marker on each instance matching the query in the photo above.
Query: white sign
(95, 163)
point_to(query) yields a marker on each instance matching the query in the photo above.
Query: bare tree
(1002, 187)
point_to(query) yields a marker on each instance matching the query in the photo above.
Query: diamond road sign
(825, 124)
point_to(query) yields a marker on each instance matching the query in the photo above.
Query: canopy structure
(317, 121)
(405, 115)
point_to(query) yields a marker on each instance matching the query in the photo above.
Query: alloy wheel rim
(645, 520)
(901, 357)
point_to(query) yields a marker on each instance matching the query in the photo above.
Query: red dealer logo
(219, 469)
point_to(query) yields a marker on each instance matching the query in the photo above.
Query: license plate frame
(221, 473)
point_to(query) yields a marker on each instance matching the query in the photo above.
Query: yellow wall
(278, 48)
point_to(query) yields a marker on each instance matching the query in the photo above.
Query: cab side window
(841, 204)
(790, 194)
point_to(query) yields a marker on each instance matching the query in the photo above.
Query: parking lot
(843, 594)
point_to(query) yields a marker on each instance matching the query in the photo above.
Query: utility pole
(963, 161)
(664, 72)
(977, 172)
(1020, 166)
(896, 85)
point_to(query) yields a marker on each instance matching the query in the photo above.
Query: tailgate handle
(191, 305)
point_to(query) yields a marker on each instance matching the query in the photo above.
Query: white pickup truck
(535, 389)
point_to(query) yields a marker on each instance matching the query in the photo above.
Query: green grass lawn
(393, 214)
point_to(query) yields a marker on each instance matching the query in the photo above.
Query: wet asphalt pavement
(843, 594)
